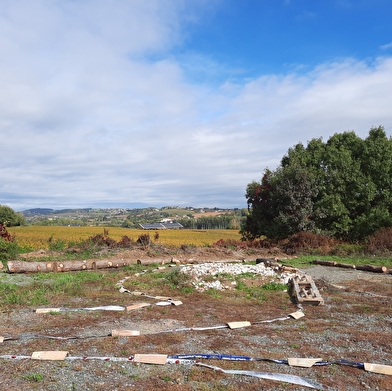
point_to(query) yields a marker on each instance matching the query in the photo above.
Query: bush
(8, 250)
(308, 242)
(380, 242)
(144, 240)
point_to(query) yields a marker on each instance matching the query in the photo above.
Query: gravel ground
(355, 324)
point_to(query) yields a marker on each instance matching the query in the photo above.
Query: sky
(132, 103)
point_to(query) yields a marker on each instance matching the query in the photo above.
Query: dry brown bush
(380, 242)
(307, 242)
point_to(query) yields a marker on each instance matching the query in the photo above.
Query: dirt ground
(355, 324)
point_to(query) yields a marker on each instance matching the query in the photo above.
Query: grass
(34, 377)
(302, 260)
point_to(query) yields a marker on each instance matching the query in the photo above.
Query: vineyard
(32, 238)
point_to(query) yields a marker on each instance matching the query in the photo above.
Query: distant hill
(48, 211)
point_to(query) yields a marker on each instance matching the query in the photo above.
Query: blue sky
(179, 102)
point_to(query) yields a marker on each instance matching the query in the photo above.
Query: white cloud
(386, 46)
(96, 110)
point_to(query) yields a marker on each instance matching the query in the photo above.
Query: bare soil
(354, 324)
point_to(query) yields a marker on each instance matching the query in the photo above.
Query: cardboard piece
(175, 302)
(137, 305)
(159, 359)
(237, 325)
(49, 355)
(125, 333)
(297, 314)
(378, 368)
(46, 310)
(302, 362)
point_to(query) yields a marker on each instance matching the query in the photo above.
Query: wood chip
(159, 359)
(49, 355)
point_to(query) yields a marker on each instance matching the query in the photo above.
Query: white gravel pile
(199, 273)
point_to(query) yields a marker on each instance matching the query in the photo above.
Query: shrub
(125, 241)
(144, 240)
(380, 242)
(307, 242)
(8, 250)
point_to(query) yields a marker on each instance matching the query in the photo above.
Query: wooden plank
(237, 325)
(125, 333)
(159, 359)
(46, 310)
(302, 362)
(176, 302)
(378, 368)
(297, 314)
(49, 355)
(137, 306)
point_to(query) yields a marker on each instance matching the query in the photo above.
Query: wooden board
(49, 355)
(176, 302)
(302, 362)
(159, 359)
(237, 325)
(46, 310)
(378, 368)
(297, 314)
(125, 333)
(137, 305)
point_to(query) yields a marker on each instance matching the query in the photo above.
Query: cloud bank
(97, 108)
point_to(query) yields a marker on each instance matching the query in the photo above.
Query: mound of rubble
(202, 274)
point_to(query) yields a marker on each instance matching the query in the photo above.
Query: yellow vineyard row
(37, 237)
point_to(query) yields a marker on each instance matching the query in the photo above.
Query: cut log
(345, 265)
(371, 268)
(34, 267)
(324, 263)
(288, 269)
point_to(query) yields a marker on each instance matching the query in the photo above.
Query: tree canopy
(9, 217)
(341, 188)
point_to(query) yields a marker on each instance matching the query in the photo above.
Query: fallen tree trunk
(324, 263)
(346, 265)
(371, 268)
(34, 267)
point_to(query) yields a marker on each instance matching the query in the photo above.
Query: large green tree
(341, 187)
(9, 217)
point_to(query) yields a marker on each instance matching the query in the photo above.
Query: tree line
(341, 188)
